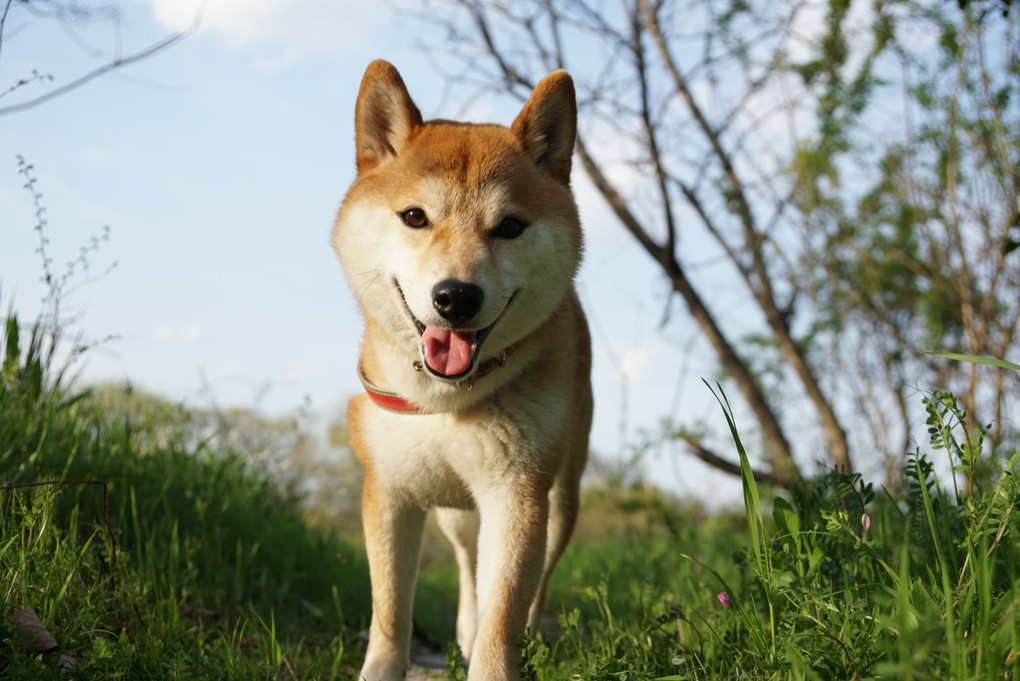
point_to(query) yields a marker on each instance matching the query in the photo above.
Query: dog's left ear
(547, 125)
(384, 115)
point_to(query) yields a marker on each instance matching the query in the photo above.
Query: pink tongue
(447, 352)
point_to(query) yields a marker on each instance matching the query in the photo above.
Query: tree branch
(651, 137)
(727, 466)
(120, 62)
(775, 440)
(3, 20)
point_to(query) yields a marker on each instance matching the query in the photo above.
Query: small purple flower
(724, 600)
(866, 522)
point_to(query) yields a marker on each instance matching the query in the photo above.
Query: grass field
(150, 553)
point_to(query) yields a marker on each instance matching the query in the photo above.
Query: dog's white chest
(444, 459)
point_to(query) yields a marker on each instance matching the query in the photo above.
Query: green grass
(217, 574)
(220, 573)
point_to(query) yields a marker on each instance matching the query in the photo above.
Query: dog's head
(459, 240)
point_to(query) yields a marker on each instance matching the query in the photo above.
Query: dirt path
(426, 665)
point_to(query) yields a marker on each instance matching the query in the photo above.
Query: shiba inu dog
(460, 243)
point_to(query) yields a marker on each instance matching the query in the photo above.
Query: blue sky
(219, 165)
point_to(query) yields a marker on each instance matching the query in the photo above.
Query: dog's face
(458, 240)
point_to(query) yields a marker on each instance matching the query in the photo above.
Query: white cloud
(191, 332)
(298, 26)
(635, 363)
(163, 332)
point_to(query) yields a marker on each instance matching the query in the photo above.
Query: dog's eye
(510, 228)
(415, 217)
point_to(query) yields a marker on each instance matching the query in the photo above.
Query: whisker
(361, 291)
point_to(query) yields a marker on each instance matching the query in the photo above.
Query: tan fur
(501, 461)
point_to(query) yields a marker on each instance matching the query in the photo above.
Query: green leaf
(990, 361)
(786, 518)
(782, 579)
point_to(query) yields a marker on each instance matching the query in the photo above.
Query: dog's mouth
(447, 353)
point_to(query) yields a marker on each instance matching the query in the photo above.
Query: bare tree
(698, 120)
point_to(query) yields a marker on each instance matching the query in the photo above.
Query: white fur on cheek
(372, 253)
(533, 266)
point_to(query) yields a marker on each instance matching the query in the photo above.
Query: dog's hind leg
(563, 508)
(461, 528)
(564, 502)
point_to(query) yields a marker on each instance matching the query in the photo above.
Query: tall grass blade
(755, 517)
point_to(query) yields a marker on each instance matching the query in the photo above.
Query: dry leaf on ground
(32, 632)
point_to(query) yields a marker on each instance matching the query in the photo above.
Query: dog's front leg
(393, 531)
(511, 549)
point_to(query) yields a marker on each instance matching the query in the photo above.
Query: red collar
(393, 402)
(387, 400)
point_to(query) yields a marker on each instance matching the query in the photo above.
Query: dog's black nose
(457, 301)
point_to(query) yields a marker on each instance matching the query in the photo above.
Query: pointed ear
(384, 116)
(547, 125)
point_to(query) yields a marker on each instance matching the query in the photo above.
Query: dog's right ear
(547, 125)
(384, 115)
